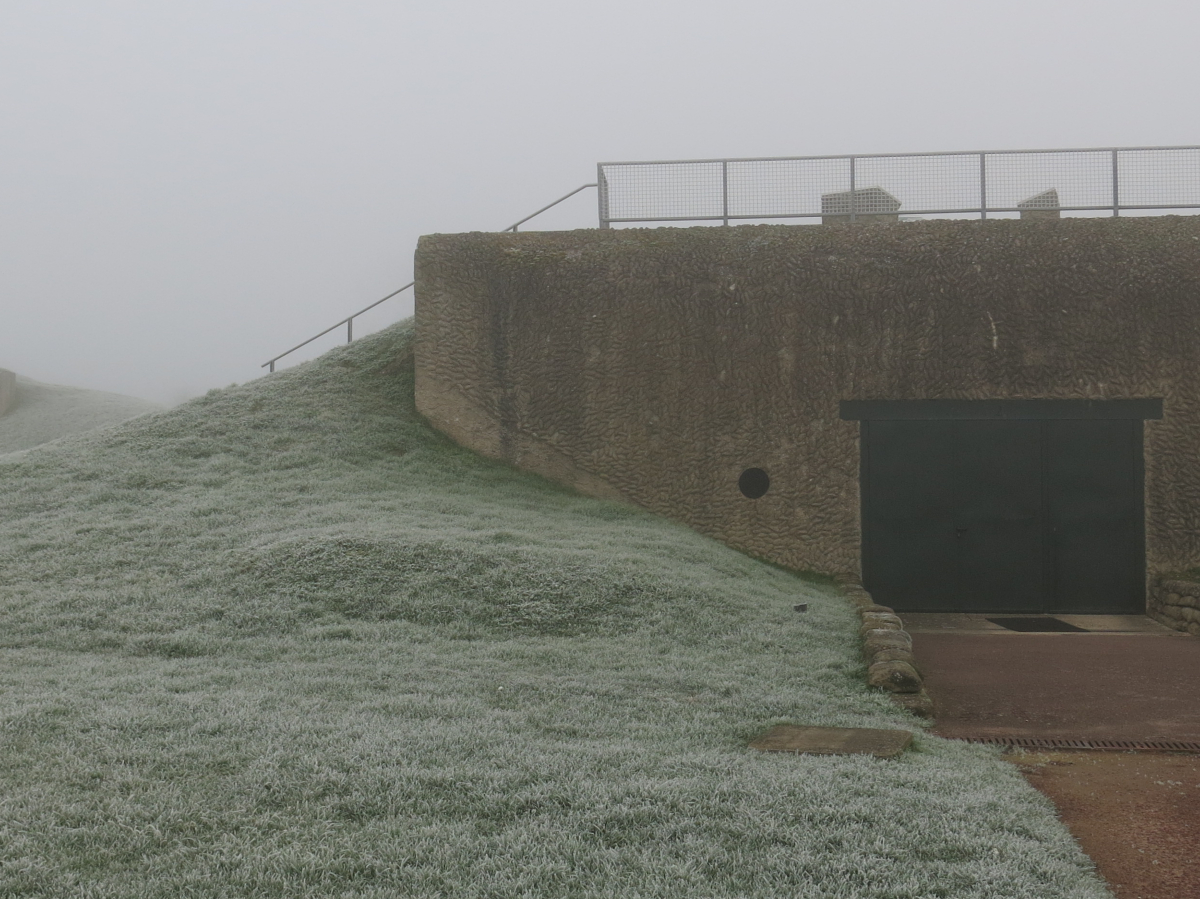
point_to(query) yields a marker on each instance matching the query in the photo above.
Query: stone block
(885, 639)
(894, 654)
(880, 621)
(919, 704)
(1179, 592)
(885, 743)
(895, 676)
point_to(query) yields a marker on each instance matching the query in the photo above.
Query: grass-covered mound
(46, 412)
(285, 639)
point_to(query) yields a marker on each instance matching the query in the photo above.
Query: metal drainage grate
(1073, 744)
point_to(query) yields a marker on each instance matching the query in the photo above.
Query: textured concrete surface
(656, 365)
(1176, 602)
(1102, 686)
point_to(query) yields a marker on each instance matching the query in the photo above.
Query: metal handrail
(349, 320)
(513, 227)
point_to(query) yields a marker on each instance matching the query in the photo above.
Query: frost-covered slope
(286, 640)
(45, 412)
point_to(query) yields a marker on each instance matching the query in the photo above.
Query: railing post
(725, 191)
(601, 196)
(350, 330)
(982, 186)
(853, 197)
(1116, 186)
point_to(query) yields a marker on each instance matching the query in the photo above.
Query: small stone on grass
(882, 742)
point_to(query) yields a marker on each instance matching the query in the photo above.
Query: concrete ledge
(8, 390)
(888, 649)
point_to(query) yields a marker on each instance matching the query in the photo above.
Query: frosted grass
(46, 412)
(286, 640)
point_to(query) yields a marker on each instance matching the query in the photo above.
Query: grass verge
(286, 640)
(45, 412)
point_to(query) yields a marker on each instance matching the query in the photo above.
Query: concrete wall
(8, 390)
(1176, 602)
(656, 365)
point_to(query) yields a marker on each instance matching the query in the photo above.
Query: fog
(189, 188)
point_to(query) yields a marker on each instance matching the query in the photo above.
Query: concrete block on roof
(1041, 206)
(872, 204)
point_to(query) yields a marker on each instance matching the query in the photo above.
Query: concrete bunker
(659, 366)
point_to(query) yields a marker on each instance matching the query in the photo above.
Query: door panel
(1004, 515)
(913, 506)
(1001, 548)
(1094, 495)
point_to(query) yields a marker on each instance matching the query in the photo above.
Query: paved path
(1128, 678)
(1135, 681)
(1137, 815)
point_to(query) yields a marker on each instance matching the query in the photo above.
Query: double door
(1004, 516)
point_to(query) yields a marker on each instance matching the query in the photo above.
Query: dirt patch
(1137, 815)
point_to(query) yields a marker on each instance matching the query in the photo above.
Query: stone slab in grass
(882, 742)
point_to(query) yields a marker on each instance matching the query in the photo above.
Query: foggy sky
(189, 188)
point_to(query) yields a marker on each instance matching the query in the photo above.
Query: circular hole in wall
(754, 483)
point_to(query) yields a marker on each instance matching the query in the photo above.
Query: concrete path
(1127, 678)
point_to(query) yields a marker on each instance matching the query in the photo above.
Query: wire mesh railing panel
(1167, 177)
(945, 183)
(881, 187)
(647, 191)
(1050, 179)
(766, 188)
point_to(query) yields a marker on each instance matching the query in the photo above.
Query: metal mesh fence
(780, 187)
(874, 187)
(1160, 178)
(1080, 180)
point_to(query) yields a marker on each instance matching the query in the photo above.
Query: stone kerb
(1175, 602)
(888, 649)
(8, 390)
